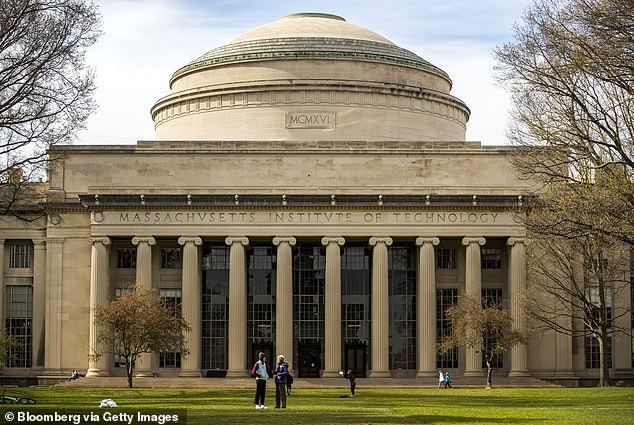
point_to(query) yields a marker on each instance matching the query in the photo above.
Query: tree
(483, 326)
(571, 76)
(575, 289)
(9, 345)
(137, 322)
(45, 88)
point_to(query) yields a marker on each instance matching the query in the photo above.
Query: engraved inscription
(310, 120)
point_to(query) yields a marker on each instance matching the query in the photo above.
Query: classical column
(98, 297)
(52, 325)
(380, 309)
(2, 290)
(237, 306)
(284, 298)
(39, 302)
(191, 305)
(517, 274)
(426, 308)
(333, 306)
(473, 286)
(143, 366)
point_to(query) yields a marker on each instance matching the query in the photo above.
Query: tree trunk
(489, 370)
(604, 370)
(128, 369)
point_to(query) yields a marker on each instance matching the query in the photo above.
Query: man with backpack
(281, 376)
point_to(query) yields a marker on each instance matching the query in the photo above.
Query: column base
(473, 374)
(424, 374)
(518, 373)
(144, 373)
(331, 374)
(380, 374)
(190, 373)
(97, 373)
(237, 373)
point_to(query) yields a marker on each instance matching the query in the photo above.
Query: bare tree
(483, 326)
(571, 76)
(137, 322)
(45, 87)
(576, 288)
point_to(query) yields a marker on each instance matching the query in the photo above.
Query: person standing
(353, 382)
(281, 375)
(441, 380)
(261, 375)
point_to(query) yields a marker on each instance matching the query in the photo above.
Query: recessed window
(126, 258)
(20, 255)
(491, 258)
(18, 323)
(171, 258)
(446, 258)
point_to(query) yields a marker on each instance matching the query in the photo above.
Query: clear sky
(145, 41)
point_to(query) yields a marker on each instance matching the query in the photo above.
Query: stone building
(309, 192)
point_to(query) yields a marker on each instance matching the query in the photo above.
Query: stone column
(333, 306)
(143, 366)
(52, 325)
(426, 308)
(98, 297)
(237, 307)
(380, 308)
(2, 290)
(39, 302)
(284, 298)
(473, 286)
(517, 283)
(191, 305)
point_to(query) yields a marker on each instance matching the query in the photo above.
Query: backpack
(289, 379)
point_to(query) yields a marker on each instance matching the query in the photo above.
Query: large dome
(310, 76)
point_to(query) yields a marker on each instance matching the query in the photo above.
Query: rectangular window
(446, 258)
(171, 258)
(593, 360)
(593, 296)
(18, 324)
(126, 258)
(445, 298)
(20, 255)
(173, 300)
(215, 306)
(491, 258)
(402, 306)
(492, 298)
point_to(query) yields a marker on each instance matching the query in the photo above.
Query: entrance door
(256, 349)
(355, 359)
(309, 360)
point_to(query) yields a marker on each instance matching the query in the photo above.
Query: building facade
(309, 192)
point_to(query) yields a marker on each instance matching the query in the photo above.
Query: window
(171, 258)
(593, 296)
(445, 298)
(446, 258)
(172, 298)
(402, 296)
(261, 286)
(491, 258)
(492, 298)
(215, 305)
(126, 258)
(119, 361)
(20, 255)
(593, 360)
(18, 324)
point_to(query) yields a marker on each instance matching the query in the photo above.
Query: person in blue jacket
(281, 375)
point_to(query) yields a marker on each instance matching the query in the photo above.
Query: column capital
(513, 240)
(469, 240)
(39, 243)
(423, 240)
(339, 240)
(193, 239)
(103, 239)
(143, 239)
(288, 239)
(237, 239)
(380, 239)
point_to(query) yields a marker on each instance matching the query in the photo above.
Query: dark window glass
(18, 324)
(215, 305)
(445, 298)
(593, 360)
(446, 258)
(492, 298)
(402, 287)
(171, 258)
(126, 258)
(261, 283)
(173, 300)
(491, 258)
(20, 254)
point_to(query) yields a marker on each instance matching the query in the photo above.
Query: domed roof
(309, 36)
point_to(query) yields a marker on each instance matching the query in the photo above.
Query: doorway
(355, 359)
(309, 360)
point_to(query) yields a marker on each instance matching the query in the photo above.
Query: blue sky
(145, 41)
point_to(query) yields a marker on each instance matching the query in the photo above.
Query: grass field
(371, 406)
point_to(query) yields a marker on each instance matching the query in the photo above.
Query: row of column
(426, 302)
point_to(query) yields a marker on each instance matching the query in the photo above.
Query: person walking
(441, 380)
(281, 376)
(353, 382)
(447, 380)
(261, 375)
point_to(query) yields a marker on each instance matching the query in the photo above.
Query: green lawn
(378, 406)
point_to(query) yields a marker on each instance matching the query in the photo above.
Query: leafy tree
(483, 326)
(9, 345)
(45, 88)
(137, 322)
(571, 75)
(576, 288)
